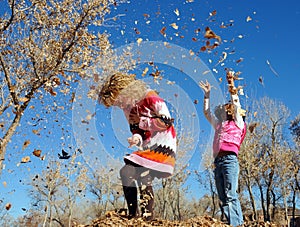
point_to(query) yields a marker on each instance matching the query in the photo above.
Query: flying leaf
(272, 69)
(174, 25)
(252, 127)
(25, 144)
(209, 34)
(37, 153)
(213, 13)
(8, 206)
(163, 31)
(176, 11)
(239, 60)
(139, 40)
(25, 159)
(64, 155)
(261, 80)
(145, 71)
(248, 19)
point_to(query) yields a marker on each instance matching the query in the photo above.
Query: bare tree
(262, 154)
(206, 178)
(295, 185)
(45, 45)
(104, 185)
(46, 189)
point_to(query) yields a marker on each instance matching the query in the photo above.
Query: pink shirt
(229, 135)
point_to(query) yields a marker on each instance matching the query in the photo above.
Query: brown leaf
(213, 13)
(8, 206)
(252, 126)
(26, 143)
(36, 131)
(163, 31)
(25, 159)
(37, 153)
(137, 31)
(209, 34)
(203, 48)
(56, 80)
(239, 60)
(52, 92)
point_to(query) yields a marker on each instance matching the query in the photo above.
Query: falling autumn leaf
(137, 31)
(163, 31)
(156, 74)
(25, 144)
(25, 159)
(52, 92)
(36, 131)
(223, 58)
(203, 48)
(248, 19)
(209, 34)
(174, 25)
(205, 72)
(37, 153)
(239, 60)
(197, 30)
(252, 127)
(8, 206)
(213, 13)
(261, 80)
(255, 113)
(176, 11)
(56, 80)
(139, 40)
(272, 69)
(145, 71)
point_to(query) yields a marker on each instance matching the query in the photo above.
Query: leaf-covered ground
(113, 219)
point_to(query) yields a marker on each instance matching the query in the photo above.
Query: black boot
(130, 194)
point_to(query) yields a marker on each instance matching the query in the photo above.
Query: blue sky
(269, 37)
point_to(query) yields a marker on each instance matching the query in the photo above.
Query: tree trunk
(294, 208)
(262, 200)
(253, 204)
(7, 137)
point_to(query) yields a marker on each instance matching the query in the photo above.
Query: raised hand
(206, 87)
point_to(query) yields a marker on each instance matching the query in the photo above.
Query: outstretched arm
(206, 87)
(238, 111)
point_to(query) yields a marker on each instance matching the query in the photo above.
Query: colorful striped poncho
(151, 121)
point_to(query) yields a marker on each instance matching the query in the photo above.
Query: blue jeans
(226, 177)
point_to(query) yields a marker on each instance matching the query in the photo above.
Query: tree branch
(9, 83)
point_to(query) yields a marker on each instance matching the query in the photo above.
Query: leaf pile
(114, 219)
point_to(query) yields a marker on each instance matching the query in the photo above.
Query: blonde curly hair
(120, 84)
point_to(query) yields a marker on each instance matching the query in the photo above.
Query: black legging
(130, 174)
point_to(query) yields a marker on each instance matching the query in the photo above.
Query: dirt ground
(116, 220)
